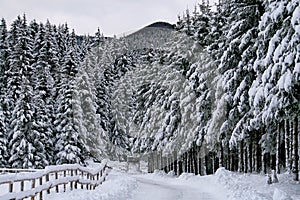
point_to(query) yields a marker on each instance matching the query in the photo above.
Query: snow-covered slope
(154, 36)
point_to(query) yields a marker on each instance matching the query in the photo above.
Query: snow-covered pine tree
(238, 34)
(86, 117)
(276, 68)
(24, 144)
(4, 53)
(43, 84)
(69, 147)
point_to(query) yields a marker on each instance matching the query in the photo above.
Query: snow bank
(280, 195)
(117, 187)
(237, 190)
(186, 176)
(254, 186)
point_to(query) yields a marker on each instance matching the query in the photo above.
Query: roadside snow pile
(238, 190)
(187, 176)
(255, 187)
(280, 195)
(116, 187)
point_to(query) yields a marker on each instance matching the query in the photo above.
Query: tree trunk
(180, 165)
(241, 156)
(185, 162)
(200, 165)
(171, 162)
(157, 160)
(196, 153)
(161, 161)
(250, 161)
(246, 160)
(213, 162)
(291, 145)
(287, 145)
(266, 159)
(273, 162)
(259, 163)
(296, 156)
(228, 157)
(175, 163)
(150, 162)
(221, 159)
(263, 165)
(206, 159)
(165, 164)
(216, 162)
(191, 170)
(278, 149)
(232, 161)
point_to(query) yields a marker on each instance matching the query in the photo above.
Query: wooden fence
(34, 184)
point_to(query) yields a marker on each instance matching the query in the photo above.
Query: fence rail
(32, 184)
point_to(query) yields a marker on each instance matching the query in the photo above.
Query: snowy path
(224, 185)
(149, 189)
(123, 186)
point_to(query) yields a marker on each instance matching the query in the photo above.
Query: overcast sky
(85, 16)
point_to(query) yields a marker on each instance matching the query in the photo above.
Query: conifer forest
(221, 88)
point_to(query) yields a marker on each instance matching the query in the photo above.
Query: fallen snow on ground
(186, 187)
(255, 187)
(161, 186)
(117, 187)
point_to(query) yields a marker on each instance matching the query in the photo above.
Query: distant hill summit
(162, 25)
(155, 35)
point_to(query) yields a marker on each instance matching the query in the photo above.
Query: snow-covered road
(223, 185)
(149, 189)
(124, 186)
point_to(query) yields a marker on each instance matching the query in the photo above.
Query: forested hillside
(221, 90)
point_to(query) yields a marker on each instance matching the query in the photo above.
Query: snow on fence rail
(33, 183)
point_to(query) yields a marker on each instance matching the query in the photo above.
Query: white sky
(85, 16)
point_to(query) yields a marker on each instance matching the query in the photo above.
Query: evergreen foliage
(222, 90)
(39, 63)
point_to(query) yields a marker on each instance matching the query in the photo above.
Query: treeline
(239, 104)
(42, 83)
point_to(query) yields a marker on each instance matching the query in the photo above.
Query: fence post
(75, 184)
(65, 185)
(91, 177)
(22, 186)
(98, 176)
(41, 193)
(47, 180)
(87, 178)
(104, 174)
(94, 183)
(11, 187)
(56, 177)
(82, 178)
(71, 182)
(33, 186)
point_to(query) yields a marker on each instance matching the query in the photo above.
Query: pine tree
(273, 93)
(23, 143)
(69, 147)
(85, 112)
(4, 54)
(43, 91)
